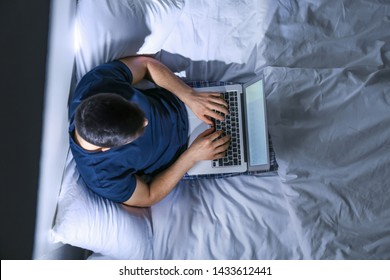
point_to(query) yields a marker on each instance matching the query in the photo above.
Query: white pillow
(91, 222)
(106, 30)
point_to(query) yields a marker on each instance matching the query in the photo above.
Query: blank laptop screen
(256, 124)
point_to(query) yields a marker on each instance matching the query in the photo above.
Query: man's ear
(146, 122)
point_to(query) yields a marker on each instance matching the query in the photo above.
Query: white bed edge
(59, 69)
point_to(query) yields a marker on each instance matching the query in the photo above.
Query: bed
(326, 67)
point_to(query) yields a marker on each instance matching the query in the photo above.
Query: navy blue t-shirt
(111, 174)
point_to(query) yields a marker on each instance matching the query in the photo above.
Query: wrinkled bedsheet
(327, 78)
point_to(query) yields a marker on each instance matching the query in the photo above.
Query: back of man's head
(108, 120)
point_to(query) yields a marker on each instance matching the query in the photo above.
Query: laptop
(247, 126)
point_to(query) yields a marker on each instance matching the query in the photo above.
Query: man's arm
(203, 105)
(205, 147)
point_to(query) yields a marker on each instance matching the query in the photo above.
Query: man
(118, 133)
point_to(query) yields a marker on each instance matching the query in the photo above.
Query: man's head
(107, 120)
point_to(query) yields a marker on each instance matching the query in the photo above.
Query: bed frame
(59, 83)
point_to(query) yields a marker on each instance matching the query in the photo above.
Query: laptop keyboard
(231, 127)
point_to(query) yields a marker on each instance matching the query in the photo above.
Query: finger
(220, 109)
(209, 96)
(214, 136)
(222, 148)
(206, 120)
(223, 141)
(218, 98)
(220, 155)
(214, 97)
(215, 115)
(218, 104)
(207, 132)
(213, 94)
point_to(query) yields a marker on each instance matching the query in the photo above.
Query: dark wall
(23, 49)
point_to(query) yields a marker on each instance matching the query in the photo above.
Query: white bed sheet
(329, 124)
(331, 197)
(326, 70)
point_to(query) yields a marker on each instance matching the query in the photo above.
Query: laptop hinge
(244, 127)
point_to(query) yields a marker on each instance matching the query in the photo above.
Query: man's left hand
(207, 106)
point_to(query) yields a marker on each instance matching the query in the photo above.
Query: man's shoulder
(114, 72)
(105, 173)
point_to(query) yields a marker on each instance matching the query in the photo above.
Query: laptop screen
(257, 137)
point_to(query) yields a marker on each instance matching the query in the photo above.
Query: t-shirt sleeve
(117, 189)
(105, 173)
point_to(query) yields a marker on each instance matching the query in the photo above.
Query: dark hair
(108, 120)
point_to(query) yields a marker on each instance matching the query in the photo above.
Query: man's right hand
(209, 145)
